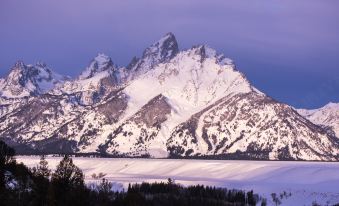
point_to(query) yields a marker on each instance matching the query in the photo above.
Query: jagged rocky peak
(18, 65)
(99, 64)
(159, 52)
(25, 80)
(201, 51)
(164, 49)
(97, 80)
(135, 60)
(204, 51)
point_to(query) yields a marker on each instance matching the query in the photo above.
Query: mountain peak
(332, 105)
(25, 80)
(164, 49)
(169, 35)
(327, 115)
(19, 64)
(100, 63)
(41, 64)
(161, 51)
(205, 51)
(102, 58)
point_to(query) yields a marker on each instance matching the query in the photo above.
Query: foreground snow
(305, 181)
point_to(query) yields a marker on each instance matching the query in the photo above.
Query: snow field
(305, 181)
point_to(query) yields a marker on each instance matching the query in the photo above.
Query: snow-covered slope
(252, 125)
(327, 116)
(169, 102)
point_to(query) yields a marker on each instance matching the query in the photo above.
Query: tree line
(23, 186)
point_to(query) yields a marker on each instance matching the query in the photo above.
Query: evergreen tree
(41, 174)
(67, 184)
(105, 186)
(42, 169)
(67, 174)
(6, 154)
(6, 158)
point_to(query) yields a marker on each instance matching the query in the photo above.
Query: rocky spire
(100, 63)
(161, 51)
(164, 49)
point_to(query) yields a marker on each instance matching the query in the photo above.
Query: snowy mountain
(94, 82)
(327, 116)
(168, 103)
(26, 80)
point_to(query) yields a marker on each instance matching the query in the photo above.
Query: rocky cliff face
(191, 103)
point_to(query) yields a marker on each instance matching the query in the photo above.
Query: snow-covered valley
(298, 183)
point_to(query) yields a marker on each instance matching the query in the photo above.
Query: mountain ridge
(26, 80)
(327, 116)
(168, 103)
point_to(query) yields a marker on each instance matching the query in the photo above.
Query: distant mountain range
(327, 116)
(167, 103)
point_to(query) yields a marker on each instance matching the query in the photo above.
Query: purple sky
(288, 49)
